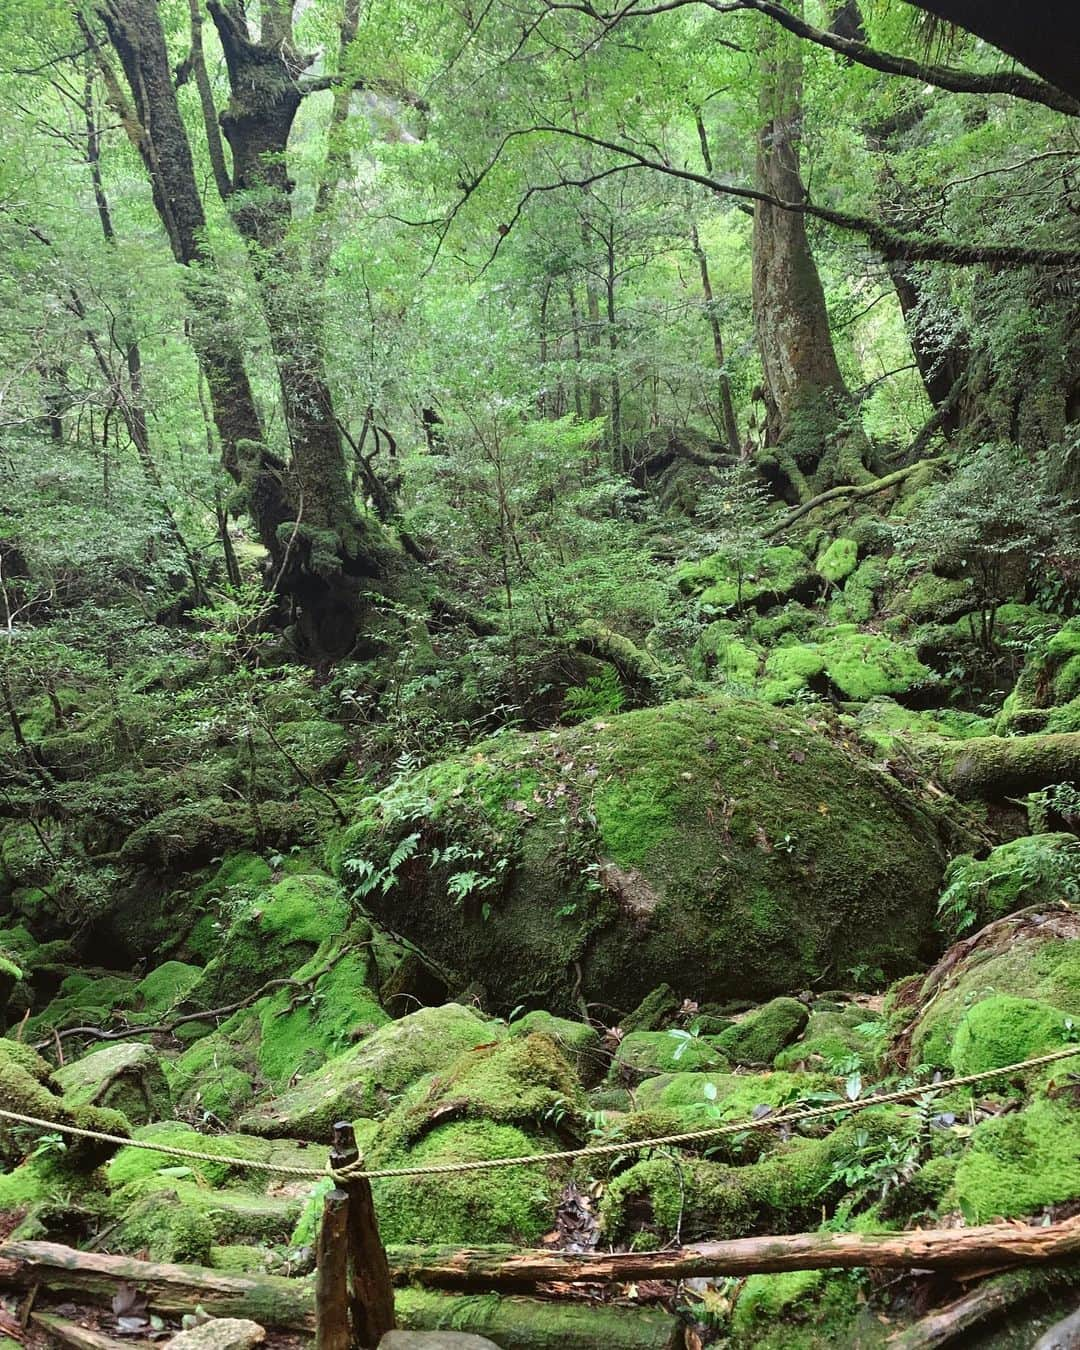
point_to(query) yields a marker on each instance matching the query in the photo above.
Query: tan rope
(357, 1171)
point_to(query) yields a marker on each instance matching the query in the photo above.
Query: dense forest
(540, 610)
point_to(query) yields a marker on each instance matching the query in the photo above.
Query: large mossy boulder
(762, 1034)
(723, 846)
(367, 1080)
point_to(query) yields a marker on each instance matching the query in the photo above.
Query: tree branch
(891, 243)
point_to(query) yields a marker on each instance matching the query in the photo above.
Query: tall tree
(810, 436)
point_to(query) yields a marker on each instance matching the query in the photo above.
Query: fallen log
(994, 1245)
(70, 1333)
(274, 1301)
(850, 490)
(990, 1300)
(1063, 1335)
(1009, 766)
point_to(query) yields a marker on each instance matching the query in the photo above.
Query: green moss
(126, 1077)
(85, 998)
(934, 599)
(858, 600)
(643, 1054)
(321, 748)
(866, 665)
(723, 658)
(714, 876)
(239, 1260)
(216, 1074)
(828, 1041)
(366, 1079)
(886, 724)
(577, 1041)
(782, 572)
(1005, 1030)
(726, 1096)
(838, 561)
(271, 935)
(165, 986)
(1032, 961)
(761, 1035)
(512, 1205)
(656, 1009)
(1019, 1163)
(1035, 869)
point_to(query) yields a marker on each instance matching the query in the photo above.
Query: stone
(220, 1333)
(127, 1077)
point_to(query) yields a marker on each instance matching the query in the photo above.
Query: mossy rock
(886, 724)
(724, 659)
(643, 1054)
(365, 1080)
(862, 666)
(739, 851)
(838, 561)
(934, 599)
(126, 1077)
(270, 935)
(27, 1086)
(803, 1310)
(857, 602)
(828, 1041)
(1004, 1030)
(782, 573)
(164, 987)
(1035, 869)
(577, 1041)
(782, 1191)
(1021, 1162)
(189, 835)
(1034, 954)
(726, 1097)
(761, 1035)
(320, 748)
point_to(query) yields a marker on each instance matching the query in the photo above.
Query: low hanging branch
(853, 490)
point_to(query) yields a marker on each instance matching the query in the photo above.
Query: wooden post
(371, 1302)
(331, 1275)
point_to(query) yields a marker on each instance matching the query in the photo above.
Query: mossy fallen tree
(274, 1301)
(1008, 766)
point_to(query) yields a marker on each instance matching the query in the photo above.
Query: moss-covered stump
(723, 846)
(761, 1035)
(366, 1080)
(127, 1077)
(1031, 956)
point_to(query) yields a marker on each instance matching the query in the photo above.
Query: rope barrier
(357, 1171)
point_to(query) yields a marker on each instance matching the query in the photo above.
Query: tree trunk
(332, 547)
(810, 415)
(158, 133)
(723, 384)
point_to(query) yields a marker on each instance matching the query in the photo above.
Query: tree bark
(809, 411)
(332, 546)
(986, 1302)
(723, 384)
(157, 130)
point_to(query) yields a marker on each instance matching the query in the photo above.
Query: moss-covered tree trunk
(156, 128)
(331, 546)
(812, 437)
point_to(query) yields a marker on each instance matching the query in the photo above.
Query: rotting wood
(70, 1333)
(989, 1300)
